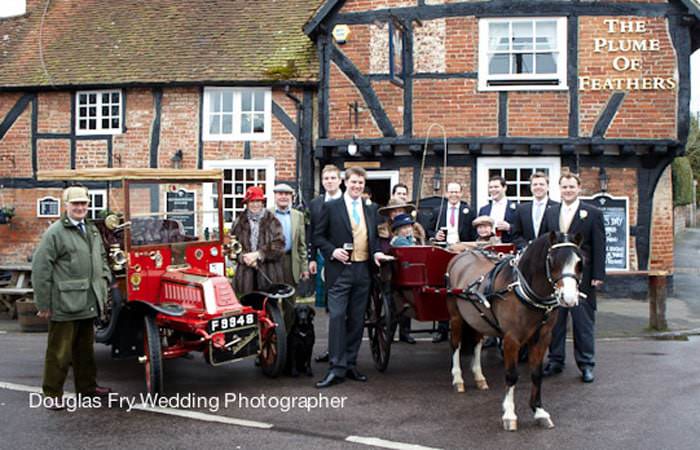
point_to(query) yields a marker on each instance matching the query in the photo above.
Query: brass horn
(112, 222)
(233, 248)
(117, 257)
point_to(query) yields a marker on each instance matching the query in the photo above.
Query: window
(243, 114)
(48, 207)
(396, 63)
(99, 112)
(239, 175)
(522, 54)
(98, 202)
(517, 173)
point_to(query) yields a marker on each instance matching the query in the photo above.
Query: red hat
(254, 193)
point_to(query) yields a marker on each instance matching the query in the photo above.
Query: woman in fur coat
(260, 235)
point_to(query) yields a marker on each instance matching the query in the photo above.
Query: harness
(479, 292)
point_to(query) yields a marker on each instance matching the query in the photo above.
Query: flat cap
(283, 187)
(75, 194)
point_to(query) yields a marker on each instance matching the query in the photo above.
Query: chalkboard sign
(617, 230)
(180, 205)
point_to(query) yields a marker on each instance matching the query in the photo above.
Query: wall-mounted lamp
(352, 147)
(176, 159)
(437, 179)
(603, 179)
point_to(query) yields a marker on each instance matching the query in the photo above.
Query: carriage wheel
(273, 353)
(153, 357)
(379, 323)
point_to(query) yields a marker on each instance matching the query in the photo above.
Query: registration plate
(228, 323)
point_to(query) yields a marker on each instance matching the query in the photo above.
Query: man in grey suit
(574, 217)
(347, 238)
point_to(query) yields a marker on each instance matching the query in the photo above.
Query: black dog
(300, 341)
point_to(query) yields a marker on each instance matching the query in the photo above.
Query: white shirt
(498, 209)
(537, 221)
(566, 215)
(329, 197)
(452, 231)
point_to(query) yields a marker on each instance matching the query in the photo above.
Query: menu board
(180, 206)
(617, 230)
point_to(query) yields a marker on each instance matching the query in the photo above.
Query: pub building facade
(601, 88)
(272, 91)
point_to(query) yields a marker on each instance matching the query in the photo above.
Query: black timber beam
(613, 106)
(364, 85)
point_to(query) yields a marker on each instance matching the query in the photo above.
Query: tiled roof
(103, 42)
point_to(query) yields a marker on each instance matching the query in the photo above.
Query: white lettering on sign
(626, 63)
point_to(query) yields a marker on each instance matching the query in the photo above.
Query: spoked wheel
(379, 323)
(106, 323)
(273, 353)
(152, 355)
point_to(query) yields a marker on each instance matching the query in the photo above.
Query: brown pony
(514, 298)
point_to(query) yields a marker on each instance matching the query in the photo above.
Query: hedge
(682, 182)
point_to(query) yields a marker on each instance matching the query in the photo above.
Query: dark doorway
(381, 190)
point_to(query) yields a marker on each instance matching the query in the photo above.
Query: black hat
(400, 221)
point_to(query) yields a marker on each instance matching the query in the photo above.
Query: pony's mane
(535, 254)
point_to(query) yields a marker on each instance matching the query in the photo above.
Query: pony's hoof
(545, 422)
(510, 424)
(459, 387)
(482, 385)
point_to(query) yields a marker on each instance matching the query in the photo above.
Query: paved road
(646, 396)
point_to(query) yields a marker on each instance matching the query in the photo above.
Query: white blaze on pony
(568, 292)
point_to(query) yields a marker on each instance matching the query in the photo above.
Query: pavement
(619, 317)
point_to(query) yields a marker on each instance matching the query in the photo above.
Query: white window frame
(553, 163)
(93, 212)
(484, 76)
(236, 134)
(99, 130)
(38, 207)
(267, 164)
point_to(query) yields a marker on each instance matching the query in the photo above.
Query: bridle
(528, 295)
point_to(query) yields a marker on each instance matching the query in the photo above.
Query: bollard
(657, 301)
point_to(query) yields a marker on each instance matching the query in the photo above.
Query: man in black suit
(456, 217)
(528, 216)
(344, 222)
(330, 179)
(500, 209)
(574, 217)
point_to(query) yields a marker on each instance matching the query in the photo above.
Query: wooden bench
(17, 287)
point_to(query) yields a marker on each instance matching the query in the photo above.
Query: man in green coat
(70, 277)
(295, 261)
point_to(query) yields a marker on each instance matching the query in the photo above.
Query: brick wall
(54, 112)
(526, 118)
(461, 175)
(661, 252)
(15, 147)
(341, 122)
(456, 105)
(131, 149)
(644, 113)
(366, 5)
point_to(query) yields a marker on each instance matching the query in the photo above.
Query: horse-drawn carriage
(414, 285)
(487, 291)
(167, 254)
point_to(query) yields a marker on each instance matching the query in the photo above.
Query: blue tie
(81, 227)
(355, 213)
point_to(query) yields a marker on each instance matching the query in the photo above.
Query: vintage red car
(171, 297)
